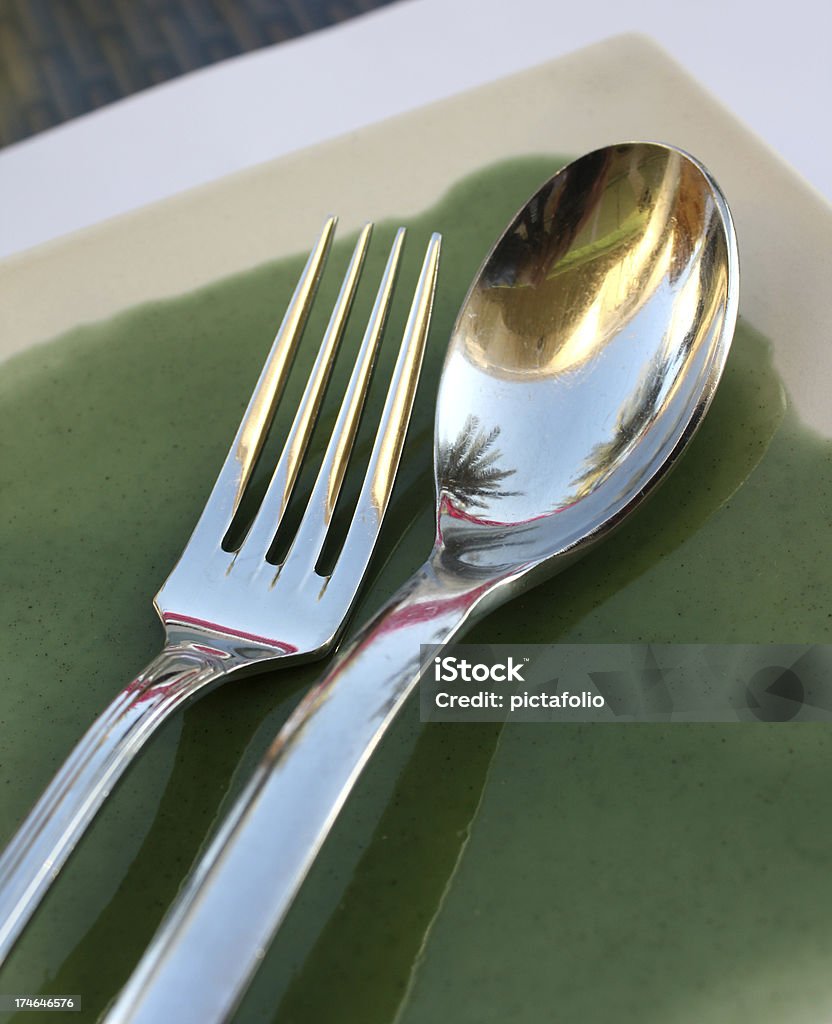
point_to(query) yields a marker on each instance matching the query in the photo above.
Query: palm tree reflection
(467, 470)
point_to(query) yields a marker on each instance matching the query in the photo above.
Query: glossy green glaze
(542, 872)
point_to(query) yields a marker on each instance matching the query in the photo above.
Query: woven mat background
(62, 58)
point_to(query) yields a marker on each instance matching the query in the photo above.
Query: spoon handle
(208, 947)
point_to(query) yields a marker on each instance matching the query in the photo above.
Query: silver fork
(226, 611)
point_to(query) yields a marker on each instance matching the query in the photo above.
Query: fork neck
(190, 640)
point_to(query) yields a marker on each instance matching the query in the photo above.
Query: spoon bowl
(584, 356)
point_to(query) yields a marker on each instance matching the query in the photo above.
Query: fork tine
(384, 460)
(248, 441)
(313, 528)
(270, 514)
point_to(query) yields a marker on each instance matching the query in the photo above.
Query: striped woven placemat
(62, 58)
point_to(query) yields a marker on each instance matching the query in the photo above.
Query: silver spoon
(582, 360)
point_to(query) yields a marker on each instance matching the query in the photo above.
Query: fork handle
(208, 947)
(48, 835)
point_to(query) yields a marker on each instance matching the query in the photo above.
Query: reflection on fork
(229, 610)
